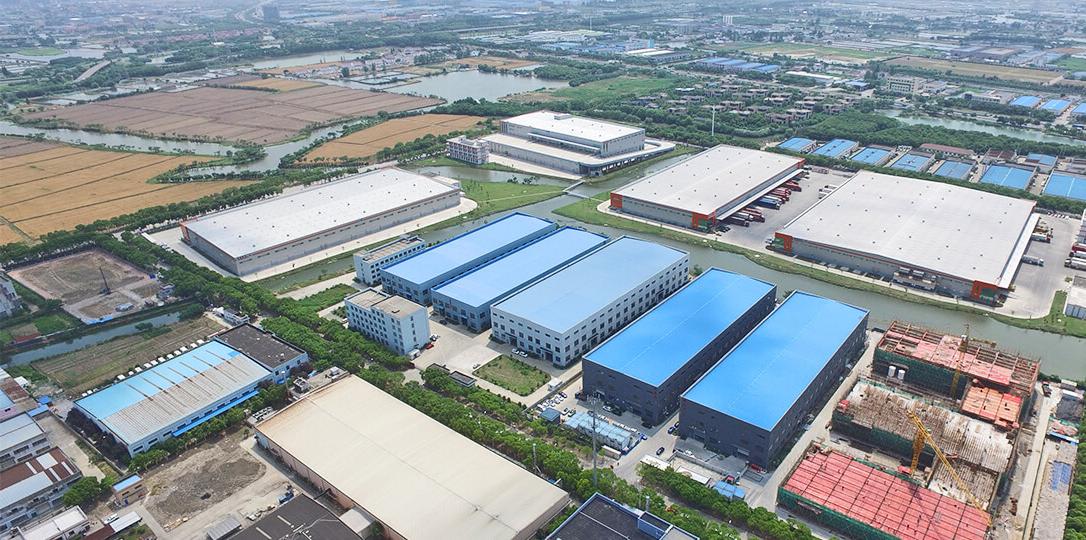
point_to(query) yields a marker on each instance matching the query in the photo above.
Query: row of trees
(1075, 528)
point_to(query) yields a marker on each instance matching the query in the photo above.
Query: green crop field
(615, 88)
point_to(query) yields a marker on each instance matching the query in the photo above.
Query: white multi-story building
(398, 323)
(9, 299)
(904, 84)
(474, 151)
(67, 524)
(566, 314)
(368, 264)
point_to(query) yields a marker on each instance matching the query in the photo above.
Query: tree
(84, 490)
(345, 72)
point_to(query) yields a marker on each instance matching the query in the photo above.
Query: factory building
(415, 277)
(21, 438)
(276, 231)
(175, 396)
(862, 501)
(928, 359)
(569, 312)
(467, 299)
(798, 144)
(645, 367)
(368, 264)
(752, 401)
(35, 487)
(416, 477)
(572, 144)
(837, 148)
(276, 355)
(937, 237)
(603, 518)
(702, 191)
(397, 323)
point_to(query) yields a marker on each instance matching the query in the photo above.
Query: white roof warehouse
(957, 240)
(417, 477)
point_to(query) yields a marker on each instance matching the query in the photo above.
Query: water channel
(966, 125)
(62, 347)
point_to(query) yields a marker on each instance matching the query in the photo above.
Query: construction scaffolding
(862, 501)
(997, 407)
(879, 416)
(930, 360)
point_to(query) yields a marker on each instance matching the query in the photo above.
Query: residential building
(35, 487)
(21, 438)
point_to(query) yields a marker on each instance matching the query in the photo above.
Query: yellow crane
(958, 364)
(923, 436)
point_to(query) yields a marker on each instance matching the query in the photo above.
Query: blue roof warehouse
(647, 365)
(416, 276)
(752, 401)
(467, 299)
(175, 396)
(565, 314)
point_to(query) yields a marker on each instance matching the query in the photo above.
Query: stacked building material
(862, 501)
(997, 407)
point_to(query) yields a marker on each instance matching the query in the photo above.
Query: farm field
(209, 113)
(46, 187)
(972, 69)
(87, 368)
(496, 62)
(276, 84)
(76, 280)
(367, 142)
(808, 50)
(602, 89)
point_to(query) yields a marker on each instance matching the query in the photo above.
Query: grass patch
(585, 211)
(617, 88)
(40, 51)
(1072, 64)
(513, 375)
(326, 298)
(803, 50)
(29, 372)
(56, 322)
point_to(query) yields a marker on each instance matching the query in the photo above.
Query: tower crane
(923, 436)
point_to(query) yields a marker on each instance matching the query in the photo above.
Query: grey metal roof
(714, 179)
(574, 126)
(17, 431)
(956, 231)
(272, 222)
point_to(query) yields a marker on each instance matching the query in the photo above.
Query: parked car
(671, 430)
(660, 451)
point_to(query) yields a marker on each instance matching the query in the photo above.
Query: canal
(966, 125)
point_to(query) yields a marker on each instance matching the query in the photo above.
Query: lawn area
(326, 298)
(617, 88)
(40, 51)
(1072, 64)
(49, 324)
(513, 375)
(1055, 321)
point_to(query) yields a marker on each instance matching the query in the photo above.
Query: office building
(755, 398)
(567, 313)
(646, 366)
(468, 298)
(397, 323)
(474, 151)
(415, 277)
(368, 264)
(276, 355)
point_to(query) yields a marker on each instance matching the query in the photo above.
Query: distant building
(398, 323)
(35, 487)
(601, 517)
(474, 151)
(946, 151)
(9, 299)
(278, 356)
(368, 264)
(904, 84)
(271, 13)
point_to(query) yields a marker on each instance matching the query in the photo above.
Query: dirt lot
(85, 369)
(271, 83)
(367, 142)
(46, 187)
(492, 61)
(231, 114)
(971, 69)
(76, 280)
(207, 476)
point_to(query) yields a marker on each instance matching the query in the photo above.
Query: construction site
(926, 445)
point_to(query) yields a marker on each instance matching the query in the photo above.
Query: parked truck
(1076, 264)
